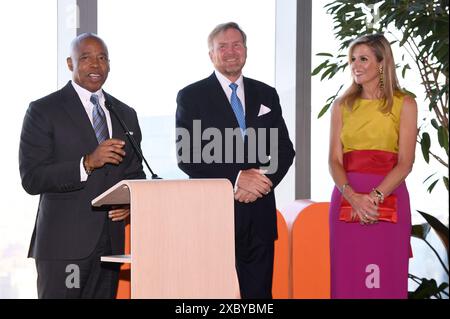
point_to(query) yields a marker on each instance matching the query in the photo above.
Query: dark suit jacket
(56, 134)
(206, 101)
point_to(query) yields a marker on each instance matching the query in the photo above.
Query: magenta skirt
(370, 261)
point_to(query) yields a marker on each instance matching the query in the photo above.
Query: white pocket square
(263, 110)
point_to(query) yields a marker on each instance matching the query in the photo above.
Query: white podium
(182, 237)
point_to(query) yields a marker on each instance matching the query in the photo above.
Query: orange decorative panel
(311, 253)
(280, 287)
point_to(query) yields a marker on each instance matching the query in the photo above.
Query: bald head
(89, 61)
(75, 44)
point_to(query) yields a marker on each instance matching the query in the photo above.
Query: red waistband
(370, 161)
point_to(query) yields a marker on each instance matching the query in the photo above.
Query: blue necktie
(99, 120)
(237, 108)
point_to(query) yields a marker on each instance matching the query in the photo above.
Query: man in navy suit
(69, 155)
(254, 160)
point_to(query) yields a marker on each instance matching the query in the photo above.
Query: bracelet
(87, 168)
(344, 187)
(379, 194)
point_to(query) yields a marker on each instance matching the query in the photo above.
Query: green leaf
(435, 124)
(433, 103)
(446, 181)
(409, 92)
(331, 98)
(324, 110)
(324, 54)
(428, 288)
(405, 38)
(443, 286)
(420, 231)
(405, 67)
(440, 229)
(319, 68)
(425, 144)
(330, 101)
(330, 71)
(429, 177)
(342, 67)
(443, 138)
(430, 188)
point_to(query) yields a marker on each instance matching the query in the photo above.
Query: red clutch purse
(387, 210)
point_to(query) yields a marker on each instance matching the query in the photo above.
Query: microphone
(127, 132)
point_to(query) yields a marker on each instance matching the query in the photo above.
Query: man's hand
(254, 181)
(244, 196)
(119, 213)
(108, 152)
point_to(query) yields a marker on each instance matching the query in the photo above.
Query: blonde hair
(224, 27)
(383, 53)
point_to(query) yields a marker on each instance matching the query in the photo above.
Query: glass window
(158, 47)
(28, 72)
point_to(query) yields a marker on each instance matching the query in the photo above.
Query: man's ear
(69, 63)
(210, 55)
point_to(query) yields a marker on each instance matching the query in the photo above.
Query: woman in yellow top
(372, 145)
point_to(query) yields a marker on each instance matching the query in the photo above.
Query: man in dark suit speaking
(230, 126)
(71, 150)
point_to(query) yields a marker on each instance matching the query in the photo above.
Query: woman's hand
(364, 206)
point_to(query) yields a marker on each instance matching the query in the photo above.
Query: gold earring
(380, 71)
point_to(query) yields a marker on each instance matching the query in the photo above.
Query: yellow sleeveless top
(366, 128)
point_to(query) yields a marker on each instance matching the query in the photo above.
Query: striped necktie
(99, 120)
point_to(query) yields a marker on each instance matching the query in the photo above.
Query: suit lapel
(251, 103)
(223, 106)
(115, 125)
(219, 103)
(76, 111)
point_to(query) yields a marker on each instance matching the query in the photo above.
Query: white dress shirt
(225, 83)
(240, 91)
(85, 98)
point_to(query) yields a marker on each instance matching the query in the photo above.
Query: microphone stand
(130, 137)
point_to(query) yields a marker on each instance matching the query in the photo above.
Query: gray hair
(224, 27)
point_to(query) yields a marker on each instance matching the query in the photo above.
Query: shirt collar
(225, 82)
(85, 95)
